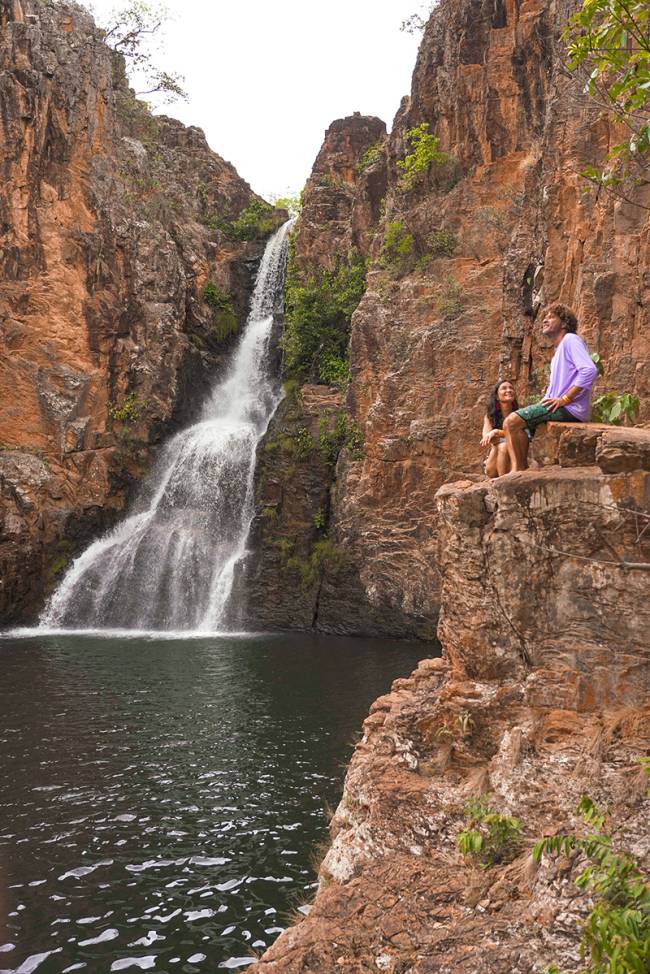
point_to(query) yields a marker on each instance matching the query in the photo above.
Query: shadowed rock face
(540, 697)
(105, 248)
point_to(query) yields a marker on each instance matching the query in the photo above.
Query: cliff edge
(541, 697)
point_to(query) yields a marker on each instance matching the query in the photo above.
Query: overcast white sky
(265, 79)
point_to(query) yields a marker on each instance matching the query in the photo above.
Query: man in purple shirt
(568, 397)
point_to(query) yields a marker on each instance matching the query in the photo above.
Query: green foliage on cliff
(442, 243)
(369, 157)
(324, 556)
(224, 319)
(127, 410)
(317, 320)
(398, 255)
(491, 837)
(344, 433)
(608, 44)
(424, 153)
(255, 222)
(616, 934)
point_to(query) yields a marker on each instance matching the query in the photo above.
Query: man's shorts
(537, 413)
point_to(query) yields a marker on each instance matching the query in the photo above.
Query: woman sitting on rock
(501, 403)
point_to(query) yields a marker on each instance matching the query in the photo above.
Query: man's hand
(554, 404)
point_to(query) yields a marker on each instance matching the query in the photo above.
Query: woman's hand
(492, 437)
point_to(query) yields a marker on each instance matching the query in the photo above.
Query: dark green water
(161, 800)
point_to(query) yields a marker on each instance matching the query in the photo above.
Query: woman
(500, 404)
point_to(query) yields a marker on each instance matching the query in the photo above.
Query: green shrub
(335, 371)
(398, 249)
(612, 407)
(255, 222)
(317, 319)
(442, 243)
(344, 433)
(616, 934)
(224, 319)
(324, 556)
(491, 837)
(127, 411)
(424, 153)
(369, 157)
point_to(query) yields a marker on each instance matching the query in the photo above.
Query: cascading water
(170, 565)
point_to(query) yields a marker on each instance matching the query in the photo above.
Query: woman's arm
(490, 434)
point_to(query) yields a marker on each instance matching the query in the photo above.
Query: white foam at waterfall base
(169, 566)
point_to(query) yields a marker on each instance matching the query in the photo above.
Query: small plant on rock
(369, 157)
(127, 411)
(491, 837)
(442, 243)
(616, 934)
(613, 407)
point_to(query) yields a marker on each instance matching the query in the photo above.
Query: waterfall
(170, 565)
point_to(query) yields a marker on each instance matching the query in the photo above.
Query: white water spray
(170, 566)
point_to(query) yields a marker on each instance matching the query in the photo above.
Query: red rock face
(502, 228)
(539, 699)
(343, 195)
(105, 247)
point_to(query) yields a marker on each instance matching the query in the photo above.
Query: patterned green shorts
(536, 414)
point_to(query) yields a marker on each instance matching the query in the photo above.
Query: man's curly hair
(566, 315)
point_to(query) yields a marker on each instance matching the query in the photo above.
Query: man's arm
(587, 375)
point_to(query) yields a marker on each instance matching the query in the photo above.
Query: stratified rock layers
(108, 236)
(541, 697)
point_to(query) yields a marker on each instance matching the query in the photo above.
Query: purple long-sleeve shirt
(572, 366)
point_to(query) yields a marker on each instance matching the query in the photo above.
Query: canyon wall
(541, 697)
(459, 265)
(111, 225)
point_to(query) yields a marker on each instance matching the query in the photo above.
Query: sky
(265, 79)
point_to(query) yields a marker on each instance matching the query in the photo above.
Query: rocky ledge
(540, 697)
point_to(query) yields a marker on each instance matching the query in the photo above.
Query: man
(568, 397)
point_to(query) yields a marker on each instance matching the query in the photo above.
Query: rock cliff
(460, 262)
(112, 223)
(540, 697)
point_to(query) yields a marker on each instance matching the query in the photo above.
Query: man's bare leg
(517, 441)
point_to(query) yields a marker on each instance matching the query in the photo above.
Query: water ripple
(161, 800)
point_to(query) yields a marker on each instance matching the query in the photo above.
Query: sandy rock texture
(108, 235)
(539, 698)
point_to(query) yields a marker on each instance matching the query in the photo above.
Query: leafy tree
(318, 312)
(129, 32)
(608, 44)
(418, 20)
(293, 204)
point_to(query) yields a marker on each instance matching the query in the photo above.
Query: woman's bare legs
(492, 462)
(503, 460)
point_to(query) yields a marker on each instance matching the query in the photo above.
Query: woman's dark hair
(494, 406)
